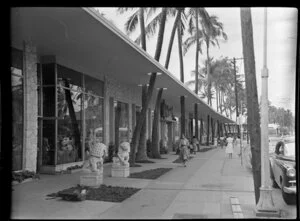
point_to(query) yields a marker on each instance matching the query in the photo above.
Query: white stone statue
(123, 155)
(95, 160)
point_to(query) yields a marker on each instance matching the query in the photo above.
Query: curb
(236, 208)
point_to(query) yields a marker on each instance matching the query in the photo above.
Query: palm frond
(124, 9)
(131, 23)
(150, 12)
(188, 43)
(153, 24)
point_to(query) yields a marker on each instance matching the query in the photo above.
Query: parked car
(283, 170)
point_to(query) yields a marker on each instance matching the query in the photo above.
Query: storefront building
(67, 87)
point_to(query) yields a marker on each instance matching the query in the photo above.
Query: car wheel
(289, 199)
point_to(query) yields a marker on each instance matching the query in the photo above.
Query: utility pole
(265, 206)
(236, 92)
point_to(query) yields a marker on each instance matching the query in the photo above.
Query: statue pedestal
(93, 179)
(120, 171)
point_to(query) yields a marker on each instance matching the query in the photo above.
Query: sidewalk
(200, 190)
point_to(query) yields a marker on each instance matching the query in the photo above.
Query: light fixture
(141, 85)
(157, 74)
(162, 88)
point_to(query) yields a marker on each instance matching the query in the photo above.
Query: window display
(48, 142)
(77, 98)
(93, 107)
(123, 122)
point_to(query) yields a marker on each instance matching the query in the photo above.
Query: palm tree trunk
(212, 130)
(196, 75)
(142, 27)
(75, 126)
(155, 131)
(182, 98)
(142, 147)
(208, 74)
(201, 130)
(156, 119)
(207, 138)
(175, 26)
(217, 98)
(142, 116)
(252, 98)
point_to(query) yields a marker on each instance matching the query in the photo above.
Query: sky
(281, 47)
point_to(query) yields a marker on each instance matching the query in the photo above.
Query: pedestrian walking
(222, 142)
(195, 145)
(184, 151)
(229, 147)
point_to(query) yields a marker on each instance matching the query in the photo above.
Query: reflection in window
(93, 107)
(65, 113)
(94, 86)
(49, 101)
(123, 123)
(73, 77)
(69, 122)
(48, 142)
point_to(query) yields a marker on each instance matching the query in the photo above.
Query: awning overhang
(84, 40)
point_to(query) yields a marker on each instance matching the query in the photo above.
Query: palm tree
(151, 28)
(155, 135)
(252, 98)
(130, 26)
(142, 115)
(212, 32)
(196, 37)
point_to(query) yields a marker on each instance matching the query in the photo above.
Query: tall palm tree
(151, 28)
(194, 14)
(212, 32)
(130, 27)
(142, 115)
(155, 135)
(253, 118)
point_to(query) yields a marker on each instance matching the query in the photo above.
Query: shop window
(48, 142)
(48, 74)
(17, 109)
(94, 86)
(74, 104)
(74, 77)
(49, 101)
(123, 121)
(93, 107)
(69, 107)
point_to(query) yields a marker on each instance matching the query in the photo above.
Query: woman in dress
(184, 151)
(229, 147)
(195, 144)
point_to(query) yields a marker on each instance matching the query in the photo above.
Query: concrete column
(106, 116)
(31, 107)
(130, 129)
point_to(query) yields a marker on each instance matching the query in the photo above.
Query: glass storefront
(17, 108)
(123, 120)
(72, 113)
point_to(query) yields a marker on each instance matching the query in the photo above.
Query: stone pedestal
(120, 171)
(93, 179)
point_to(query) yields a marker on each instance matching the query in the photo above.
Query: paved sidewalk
(200, 190)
